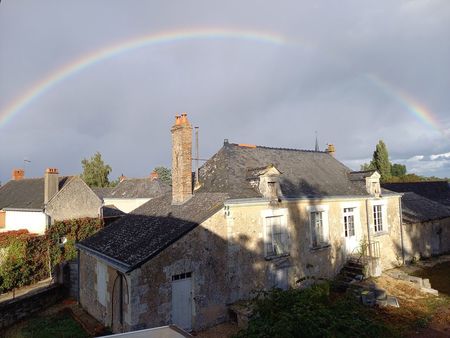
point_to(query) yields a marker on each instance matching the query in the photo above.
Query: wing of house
(23, 200)
(258, 217)
(131, 193)
(438, 191)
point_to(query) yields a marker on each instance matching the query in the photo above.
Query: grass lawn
(59, 325)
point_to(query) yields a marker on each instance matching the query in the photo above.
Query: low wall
(21, 307)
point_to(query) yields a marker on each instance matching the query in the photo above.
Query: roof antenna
(317, 143)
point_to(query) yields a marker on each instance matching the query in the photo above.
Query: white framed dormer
(319, 226)
(378, 217)
(276, 233)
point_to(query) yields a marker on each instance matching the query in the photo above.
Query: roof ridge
(278, 148)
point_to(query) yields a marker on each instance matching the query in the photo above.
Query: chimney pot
(154, 175)
(18, 174)
(331, 149)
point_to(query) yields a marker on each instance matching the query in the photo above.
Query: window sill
(320, 248)
(380, 233)
(272, 257)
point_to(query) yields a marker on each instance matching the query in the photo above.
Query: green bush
(310, 313)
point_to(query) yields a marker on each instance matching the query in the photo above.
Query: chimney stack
(181, 160)
(331, 149)
(154, 175)
(51, 183)
(122, 178)
(18, 174)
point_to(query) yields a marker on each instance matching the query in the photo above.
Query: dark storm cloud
(246, 91)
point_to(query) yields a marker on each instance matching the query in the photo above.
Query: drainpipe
(401, 228)
(78, 273)
(368, 235)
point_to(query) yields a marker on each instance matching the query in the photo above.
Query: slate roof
(417, 209)
(304, 173)
(138, 188)
(27, 193)
(438, 191)
(149, 229)
(102, 192)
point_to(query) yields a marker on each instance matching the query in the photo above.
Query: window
(277, 239)
(318, 217)
(101, 282)
(349, 222)
(378, 218)
(182, 276)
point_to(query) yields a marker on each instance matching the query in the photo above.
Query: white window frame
(102, 277)
(323, 210)
(382, 205)
(267, 216)
(347, 213)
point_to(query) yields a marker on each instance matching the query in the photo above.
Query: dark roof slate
(27, 193)
(417, 208)
(102, 192)
(112, 211)
(304, 173)
(138, 188)
(438, 191)
(146, 231)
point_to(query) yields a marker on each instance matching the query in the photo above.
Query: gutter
(116, 264)
(23, 209)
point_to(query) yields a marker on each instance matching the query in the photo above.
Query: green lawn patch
(60, 325)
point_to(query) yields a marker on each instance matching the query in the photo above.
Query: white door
(182, 301)
(349, 231)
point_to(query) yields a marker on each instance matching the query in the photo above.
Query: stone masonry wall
(76, 200)
(12, 311)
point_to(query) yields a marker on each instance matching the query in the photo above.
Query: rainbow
(418, 110)
(97, 56)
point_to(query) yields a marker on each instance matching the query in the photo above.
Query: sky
(77, 77)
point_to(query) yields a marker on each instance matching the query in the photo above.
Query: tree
(95, 171)
(381, 162)
(164, 174)
(367, 166)
(398, 170)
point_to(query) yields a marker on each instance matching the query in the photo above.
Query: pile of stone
(422, 284)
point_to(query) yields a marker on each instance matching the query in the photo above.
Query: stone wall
(425, 239)
(75, 200)
(21, 307)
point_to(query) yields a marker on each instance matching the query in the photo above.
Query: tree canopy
(164, 174)
(95, 171)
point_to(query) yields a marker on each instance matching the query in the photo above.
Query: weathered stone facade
(228, 260)
(76, 200)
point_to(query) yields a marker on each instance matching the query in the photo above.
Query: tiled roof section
(417, 208)
(438, 191)
(139, 188)
(304, 173)
(27, 193)
(146, 231)
(102, 192)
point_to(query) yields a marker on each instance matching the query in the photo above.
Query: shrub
(310, 313)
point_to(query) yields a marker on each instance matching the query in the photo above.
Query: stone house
(438, 191)
(255, 217)
(34, 203)
(426, 226)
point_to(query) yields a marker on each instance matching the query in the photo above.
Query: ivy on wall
(27, 258)
(63, 235)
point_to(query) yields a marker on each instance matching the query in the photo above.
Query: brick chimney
(18, 174)
(331, 149)
(51, 183)
(154, 175)
(181, 160)
(122, 178)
